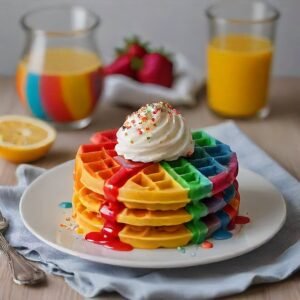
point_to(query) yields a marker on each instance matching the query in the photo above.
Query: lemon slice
(24, 139)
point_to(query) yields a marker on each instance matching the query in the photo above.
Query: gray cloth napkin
(272, 262)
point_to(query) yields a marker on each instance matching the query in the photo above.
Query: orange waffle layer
(94, 165)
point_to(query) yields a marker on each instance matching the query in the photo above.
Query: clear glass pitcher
(59, 77)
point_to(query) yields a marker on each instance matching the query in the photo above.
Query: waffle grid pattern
(211, 168)
(187, 199)
(100, 163)
(153, 189)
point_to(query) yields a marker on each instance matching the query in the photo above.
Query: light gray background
(179, 25)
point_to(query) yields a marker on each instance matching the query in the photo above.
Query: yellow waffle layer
(84, 227)
(85, 201)
(143, 237)
(77, 183)
(142, 217)
(87, 221)
(155, 237)
(91, 200)
(153, 189)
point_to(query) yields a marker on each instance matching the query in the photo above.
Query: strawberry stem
(135, 39)
(136, 63)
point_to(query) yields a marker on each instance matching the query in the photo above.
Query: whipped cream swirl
(154, 133)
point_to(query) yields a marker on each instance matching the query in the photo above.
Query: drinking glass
(59, 77)
(239, 57)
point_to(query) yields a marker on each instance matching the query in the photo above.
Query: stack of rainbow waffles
(153, 183)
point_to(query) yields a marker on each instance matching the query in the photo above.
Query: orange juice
(61, 85)
(238, 74)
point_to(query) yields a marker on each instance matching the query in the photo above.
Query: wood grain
(278, 135)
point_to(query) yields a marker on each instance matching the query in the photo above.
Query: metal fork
(23, 271)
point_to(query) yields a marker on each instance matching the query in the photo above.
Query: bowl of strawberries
(140, 73)
(138, 62)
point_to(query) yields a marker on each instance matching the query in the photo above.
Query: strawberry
(121, 65)
(134, 47)
(135, 61)
(136, 50)
(157, 68)
(128, 58)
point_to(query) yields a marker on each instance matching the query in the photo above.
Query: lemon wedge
(24, 139)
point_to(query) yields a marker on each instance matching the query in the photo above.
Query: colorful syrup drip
(231, 225)
(207, 245)
(65, 204)
(109, 210)
(242, 220)
(238, 220)
(107, 240)
(222, 234)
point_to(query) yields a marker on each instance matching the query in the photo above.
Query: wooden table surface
(278, 135)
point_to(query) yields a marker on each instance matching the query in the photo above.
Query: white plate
(41, 214)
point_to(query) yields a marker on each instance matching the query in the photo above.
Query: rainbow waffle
(211, 168)
(153, 229)
(93, 202)
(165, 204)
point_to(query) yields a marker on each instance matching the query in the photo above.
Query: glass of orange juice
(239, 57)
(59, 77)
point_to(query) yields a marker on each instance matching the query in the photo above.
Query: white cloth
(119, 89)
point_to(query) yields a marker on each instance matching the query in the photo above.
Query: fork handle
(23, 272)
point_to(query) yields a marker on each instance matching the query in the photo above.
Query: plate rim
(137, 263)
